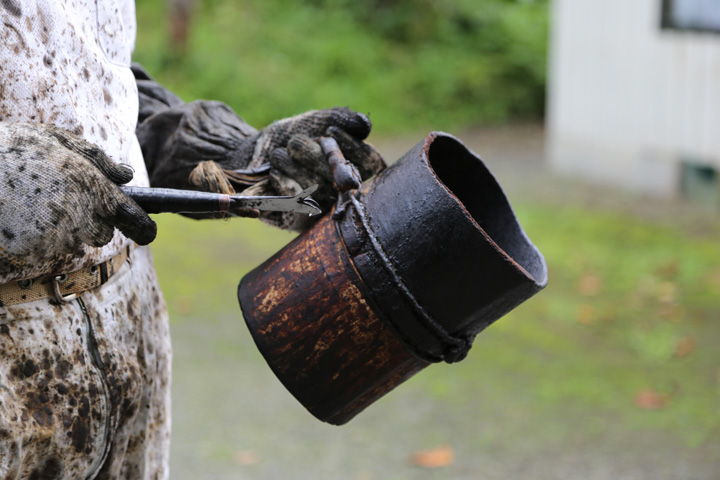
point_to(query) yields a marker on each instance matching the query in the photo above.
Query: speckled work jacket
(84, 386)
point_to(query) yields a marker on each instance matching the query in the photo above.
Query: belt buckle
(59, 297)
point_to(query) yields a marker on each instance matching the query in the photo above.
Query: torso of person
(66, 62)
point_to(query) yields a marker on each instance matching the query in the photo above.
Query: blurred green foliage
(409, 63)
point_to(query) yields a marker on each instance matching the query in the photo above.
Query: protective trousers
(85, 385)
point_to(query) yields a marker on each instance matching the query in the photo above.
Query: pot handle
(345, 175)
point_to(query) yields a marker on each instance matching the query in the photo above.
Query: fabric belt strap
(62, 287)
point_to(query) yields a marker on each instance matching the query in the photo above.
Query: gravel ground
(233, 420)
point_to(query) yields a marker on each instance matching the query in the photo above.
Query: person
(84, 336)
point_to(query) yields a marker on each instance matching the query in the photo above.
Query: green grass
(623, 294)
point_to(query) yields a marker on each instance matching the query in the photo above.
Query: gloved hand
(290, 146)
(58, 192)
(204, 145)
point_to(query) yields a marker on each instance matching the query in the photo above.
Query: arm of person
(205, 145)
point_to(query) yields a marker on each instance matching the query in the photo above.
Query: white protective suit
(84, 385)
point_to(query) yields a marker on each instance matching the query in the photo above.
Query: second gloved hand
(298, 162)
(204, 145)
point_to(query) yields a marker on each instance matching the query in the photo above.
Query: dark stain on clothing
(81, 426)
(37, 406)
(50, 470)
(12, 7)
(106, 95)
(24, 369)
(62, 368)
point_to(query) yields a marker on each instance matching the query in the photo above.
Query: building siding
(628, 101)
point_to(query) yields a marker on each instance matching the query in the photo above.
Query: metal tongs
(169, 200)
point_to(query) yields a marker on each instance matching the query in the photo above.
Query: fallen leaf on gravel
(589, 285)
(650, 400)
(671, 311)
(586, 314)
(246, 458)
(667, 292)
(684, 347)
(441, 456)
(669, 270)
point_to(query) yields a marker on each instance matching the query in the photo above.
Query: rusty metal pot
(405, 273)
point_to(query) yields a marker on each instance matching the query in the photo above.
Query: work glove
(58, 193)
(204, 145)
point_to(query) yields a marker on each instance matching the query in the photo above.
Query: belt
(62, 288)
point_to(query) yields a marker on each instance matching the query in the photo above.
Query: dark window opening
(699, 184)
(691, 15)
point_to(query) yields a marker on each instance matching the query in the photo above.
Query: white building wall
(627, 101)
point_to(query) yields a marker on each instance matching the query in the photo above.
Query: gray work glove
(297, 162)
(204, 145)
(57, 193)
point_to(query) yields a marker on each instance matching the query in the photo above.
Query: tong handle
(168, 200)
